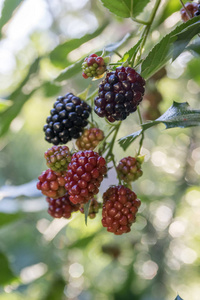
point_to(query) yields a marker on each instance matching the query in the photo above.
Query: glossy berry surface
(58, 158)
(61, 207)
(120, 206)
(90, 139)
(84, 176)
(52, 184)
(129, 169)
(67, 119)
(93, 66)
(93, 209)
(192, 9)
(119, 94)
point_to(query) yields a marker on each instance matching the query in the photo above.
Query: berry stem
(140, 21)
(186, 10)
(113, 141)
(142, 136)
(116, 52)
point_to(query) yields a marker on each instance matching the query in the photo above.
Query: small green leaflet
(86, 210)
(178, 298)
(171, 46)
(125, 8)
(129, 54)
(6, 275)
(178, 115)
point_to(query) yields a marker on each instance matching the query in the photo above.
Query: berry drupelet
(93, 66)
(52, 184)
(67, 120)
(192, 9)
(90, 139)
(58, 158)
(61, 207)
(129, 168)
(84, 176)
(119, 94)
(120, 206)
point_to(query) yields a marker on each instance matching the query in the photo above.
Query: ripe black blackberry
(67, 119)
(119, 94)
(189, 11)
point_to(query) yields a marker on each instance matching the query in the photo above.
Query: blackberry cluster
(67, 120)
(129, 168)
(119, 94)
(90, 139)
(93, 66)
(93, 209)
(84, 176)
(61, 207)
(192, 8)
(120, 206)
(58, 158)
(52, 184)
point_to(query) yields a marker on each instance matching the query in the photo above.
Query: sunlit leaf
(171, 46)
(125, 8)
(70, 71)
(6, 274)
(9, 7)
(178, 115)
(4, 104)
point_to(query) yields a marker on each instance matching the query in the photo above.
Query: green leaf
(6, 274)
(193, 68)
(58, 56)
(169, 47)
(178, 298)
(4, 104)
(8, 9)
(82, 243)
(168, 9)
(70, 71)
(19, 99)
(125, 8)
(194, 48)
(50, 89)
(178, 115)
(86, 210)
(56, 289)
(6, 219)
(130, 53)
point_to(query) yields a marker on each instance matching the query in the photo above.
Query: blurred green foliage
(45, 259)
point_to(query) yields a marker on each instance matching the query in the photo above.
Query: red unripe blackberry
(120, 206)
(61, 207)
(93, 209)
(84, 176)
(129, 168)
(94, 66)
(119, 94)
(52, 184)
(192, 9)
(58, 158)
(90, 139)
(67, 120)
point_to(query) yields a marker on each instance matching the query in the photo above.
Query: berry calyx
(61, 207)
(94, 66)
(52, 184)
(90, 139)
(129, 168)
(84, 176)
(58, 158)
(67, 119)
(93, 209)
(120, 206)
(119, 94)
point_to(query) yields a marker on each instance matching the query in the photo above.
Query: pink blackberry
(120, 206)
(52, 184)
(84, 176)
(67, 119)
(90, 139)
(119, 94)
(58, 158)
(193, 9)
(61, 207)
(93, 210)
(93, 66)
(129, 168)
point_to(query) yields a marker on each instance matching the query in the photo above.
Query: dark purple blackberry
(67, 119)
(119, 94)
